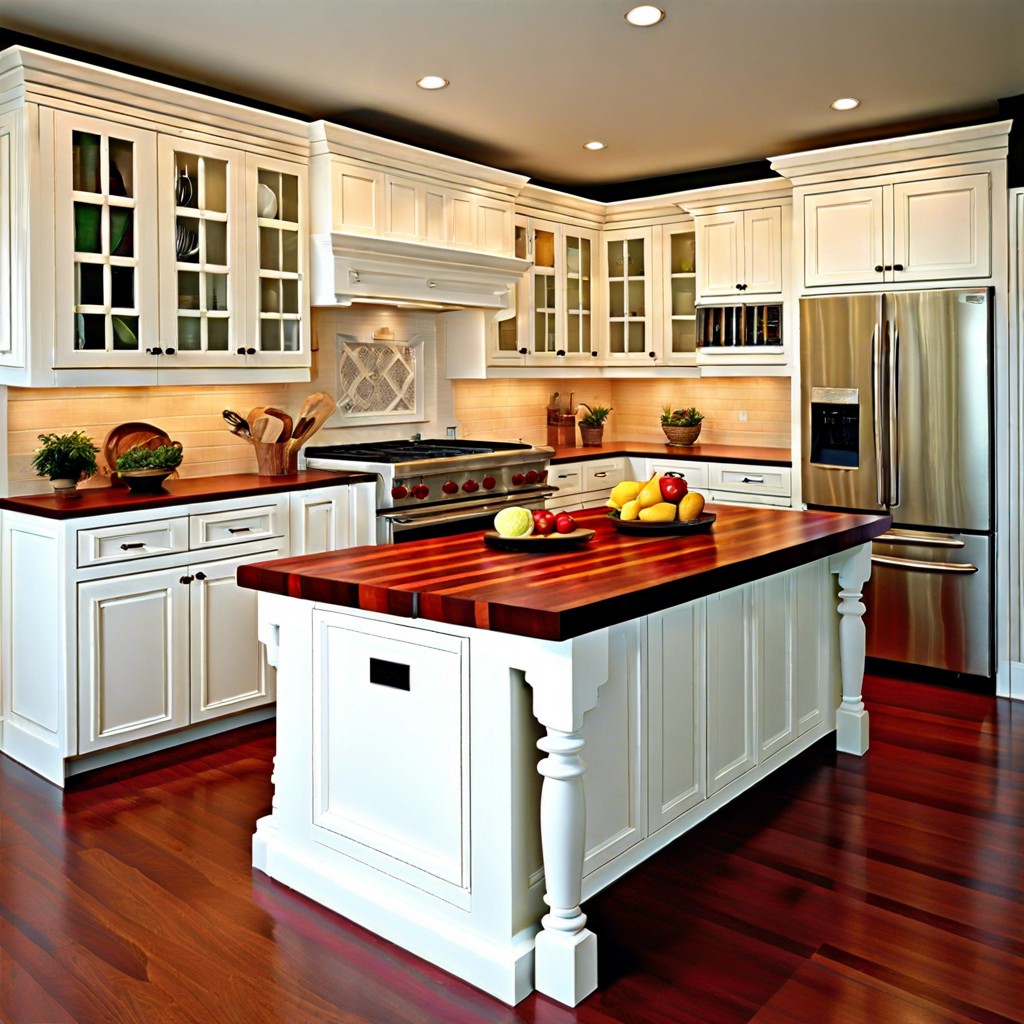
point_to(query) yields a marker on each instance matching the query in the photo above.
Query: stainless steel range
(439, 487)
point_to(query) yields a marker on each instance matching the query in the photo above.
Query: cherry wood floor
(881, 890)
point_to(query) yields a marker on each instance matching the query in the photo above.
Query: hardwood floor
(887, 889)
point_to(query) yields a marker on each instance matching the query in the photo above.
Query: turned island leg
(565, 678)
(854, 569)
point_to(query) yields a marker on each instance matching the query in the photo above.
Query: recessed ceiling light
(595, 145)
(432, 82)
(846, 103)
(645, 15)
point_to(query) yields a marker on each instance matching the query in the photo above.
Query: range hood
(350, 268)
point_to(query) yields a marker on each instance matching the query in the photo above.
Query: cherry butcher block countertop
(748, 453)
(558, 595)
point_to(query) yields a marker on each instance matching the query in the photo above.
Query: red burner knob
(518, 478)
(449, 487)
(399, 492)
(544, 477)
(470, 486)
(420, 491)
(489, 483)
(532, 476)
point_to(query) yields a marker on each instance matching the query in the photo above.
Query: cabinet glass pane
(508, 335)
(189, 333)
(683, 296)
(520, 242)
(617, 301)
(214, 244)
(90, 332)
(684, 336)
(635, 257)
(90, 285)
(544, 249)
(217, 334)
(122, 287)
(213, 185)
(270, 249)
(88, 218)
(217, 292)
(291, 335)
(270, 296)
(122, 233)
(126, 333)
(85, 165)
(636, 299)
(290, 297)
(188, 289)
(616, 259)
(572, 293)
(290, 251)
(270, 336)
(683, 253)
(636, 338)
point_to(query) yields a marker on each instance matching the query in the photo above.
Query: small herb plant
(594, 416)
(65, 456)
(680, 417)
(167, 456)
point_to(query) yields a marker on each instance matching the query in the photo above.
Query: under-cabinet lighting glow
(432, 82)
(645, 15)
(846, 103)
(595, 145)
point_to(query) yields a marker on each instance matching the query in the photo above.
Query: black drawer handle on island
(389, 673)
(753, 480)
(239, 529)
(133, 547)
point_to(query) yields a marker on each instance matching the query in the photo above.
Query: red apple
(564, 523)
(673, 487)
(543, 522)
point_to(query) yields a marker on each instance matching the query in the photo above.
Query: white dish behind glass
(266, 201)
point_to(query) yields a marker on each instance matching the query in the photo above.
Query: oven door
(397, 526)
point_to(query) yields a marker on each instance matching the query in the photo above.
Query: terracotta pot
(592, 436)
(681, 435)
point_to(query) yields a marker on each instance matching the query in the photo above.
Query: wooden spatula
(315, 412)
(286, 420)
(267, 429)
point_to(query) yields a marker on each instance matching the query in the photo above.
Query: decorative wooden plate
(702, 522)
(537, 543)
(125, 436)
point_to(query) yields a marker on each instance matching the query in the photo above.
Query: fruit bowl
(539, 543)
(702, 522)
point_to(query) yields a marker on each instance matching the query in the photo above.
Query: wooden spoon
(286, 421)
(267, 429)
(315, 412)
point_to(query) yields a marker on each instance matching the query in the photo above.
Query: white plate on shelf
(266, 201)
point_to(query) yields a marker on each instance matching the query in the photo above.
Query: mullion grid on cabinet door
(202, 253)
(545, 301)
(627, 320)
(106, 265)
(280, 268)
(577, 295)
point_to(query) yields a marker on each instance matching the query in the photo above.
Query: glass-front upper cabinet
(630, 295)
(543, 250)
(578, 249)
(680, 282)
(105, 243)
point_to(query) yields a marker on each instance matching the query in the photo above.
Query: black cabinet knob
(169, 351)
(522, 351)
(240, 350)
(652, 355)
(560, 352)
(879, 268)
(593, 352)
(897, 266)
(250, 351)
(185, 579)
(154, 351)
(200, 576)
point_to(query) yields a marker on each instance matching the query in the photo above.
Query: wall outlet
(743, 415)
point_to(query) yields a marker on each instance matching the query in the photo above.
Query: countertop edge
(747, 454)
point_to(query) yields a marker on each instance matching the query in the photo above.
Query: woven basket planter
(681, 435)
(592, 436)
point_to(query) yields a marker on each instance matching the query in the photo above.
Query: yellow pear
(623, 492)
(662, 512)
(630, 511)
(691, 506)
(650, 493)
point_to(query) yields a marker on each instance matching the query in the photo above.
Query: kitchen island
(414, 682)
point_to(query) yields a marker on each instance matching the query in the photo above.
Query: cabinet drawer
(694, 473)
(773, 480)
(567, 478)
(600, 475)
(213, 529)
(127, 541)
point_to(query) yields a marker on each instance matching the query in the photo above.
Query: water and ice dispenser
(835, 427)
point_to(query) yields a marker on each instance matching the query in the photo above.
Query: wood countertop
(98, 501)
(556, 596)
(748, 453)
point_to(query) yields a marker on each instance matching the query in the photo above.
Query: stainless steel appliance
(435, 488)
(897, 417)
(740, 326)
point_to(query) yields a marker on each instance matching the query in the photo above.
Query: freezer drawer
(929, 601)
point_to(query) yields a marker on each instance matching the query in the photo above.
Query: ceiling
(718, 82)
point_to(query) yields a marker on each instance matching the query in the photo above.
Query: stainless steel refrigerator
(897, 417)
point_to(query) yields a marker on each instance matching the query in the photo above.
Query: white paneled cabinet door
(629, 296)
(133, 658)
(942, 228)
(844, 236)
(731, 728)
(719, 253)
(106, 251)
(775, 604)
(228, 670)
(762, 251)
(675, 715)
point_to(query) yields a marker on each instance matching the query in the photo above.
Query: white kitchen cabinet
(739, 253)
(694, 473)
(912, 229)
(162, 242)
(678, 345)
(585, 484)
(332, 518)
(628, 268)
(735, 483)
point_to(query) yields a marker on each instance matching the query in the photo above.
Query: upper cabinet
(740, 253)
(907, 211)
(162, 242)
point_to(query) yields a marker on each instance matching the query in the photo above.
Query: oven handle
(425, 518)
(959, 568)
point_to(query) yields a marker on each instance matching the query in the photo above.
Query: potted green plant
(592, 424)
(681, 426)
(65, 459)
(144, 469)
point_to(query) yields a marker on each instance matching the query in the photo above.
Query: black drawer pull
(132, 547)
(389, 673)
(239, 529)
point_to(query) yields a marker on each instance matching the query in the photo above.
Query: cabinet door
(404, 207)
(7, 353)
(509, 336)
(578, 254)
(775, 600)
(321, 520)
(357, 199)
(202, 258)
(106, 247)
(844, 237)
(543, 248)
(731, 727)
(675, 714)
(228, 669)
(762, 251)
(630, 296)
(133, 658)
(942, 228)
(679, 281)
(277, 235)
(719, 254)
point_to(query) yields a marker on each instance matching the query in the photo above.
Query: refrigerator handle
(894, 414)
(877, 404)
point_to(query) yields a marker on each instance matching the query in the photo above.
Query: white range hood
(349, 268)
